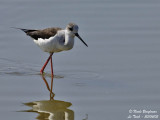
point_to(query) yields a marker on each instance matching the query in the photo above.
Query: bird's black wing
(44, 34)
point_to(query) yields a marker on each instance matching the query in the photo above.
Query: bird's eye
(71, 29)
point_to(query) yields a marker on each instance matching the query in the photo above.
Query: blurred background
(119, 70)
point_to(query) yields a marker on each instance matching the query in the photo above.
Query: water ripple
(10, 67)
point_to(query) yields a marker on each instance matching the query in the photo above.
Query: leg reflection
(50, 90)
(51, 109)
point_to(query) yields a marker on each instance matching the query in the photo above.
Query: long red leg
(46, 63)
(51, 68)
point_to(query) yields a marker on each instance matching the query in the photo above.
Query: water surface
(119, 70)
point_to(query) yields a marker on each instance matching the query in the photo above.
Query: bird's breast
(68, 44)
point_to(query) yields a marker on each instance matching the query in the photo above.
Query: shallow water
(118, 72)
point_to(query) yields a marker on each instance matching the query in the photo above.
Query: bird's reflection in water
(51, 109)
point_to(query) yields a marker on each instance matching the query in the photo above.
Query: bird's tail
(24, 30)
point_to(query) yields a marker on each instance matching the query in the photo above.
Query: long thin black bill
(76, 34)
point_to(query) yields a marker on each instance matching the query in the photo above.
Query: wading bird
(54, 40)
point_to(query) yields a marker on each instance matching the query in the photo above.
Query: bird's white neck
(69, 39)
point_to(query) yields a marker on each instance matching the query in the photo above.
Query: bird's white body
(62, 41)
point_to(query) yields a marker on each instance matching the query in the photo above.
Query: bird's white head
(72, 30)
